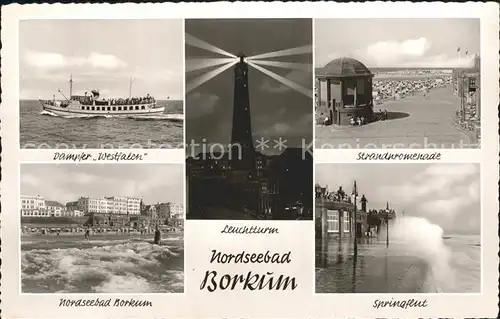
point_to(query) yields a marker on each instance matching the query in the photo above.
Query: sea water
(420, 258)
(105, 264)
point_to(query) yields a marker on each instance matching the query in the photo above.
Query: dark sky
(276, 110)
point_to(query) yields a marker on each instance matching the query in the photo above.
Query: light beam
(195, 42)
(198, 64)
(294, 51)
(207, 76)
(283, 80)
(286, 65)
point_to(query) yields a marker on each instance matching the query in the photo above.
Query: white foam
(420, 238)
(123, 267)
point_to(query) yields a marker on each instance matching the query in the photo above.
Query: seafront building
(118, 205)
(32, 202)
(467, 86)
(116, 212)
(37, 206)
(55, 208)
(340, 214)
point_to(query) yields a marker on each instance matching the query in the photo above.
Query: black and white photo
(398, 228)
(249, 126)
(102, 228)
(93, 84)
(397, 83)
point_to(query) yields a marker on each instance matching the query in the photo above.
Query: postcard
(250, 160)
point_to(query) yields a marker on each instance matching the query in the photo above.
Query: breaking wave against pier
(419, 259)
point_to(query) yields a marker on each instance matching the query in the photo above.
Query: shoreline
(114, 234)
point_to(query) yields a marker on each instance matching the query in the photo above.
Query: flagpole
(355, 193)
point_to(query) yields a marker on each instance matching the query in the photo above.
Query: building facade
(73, 210)
(32, 202)
(118, 205)
(163, 211)
(339, 214)
(54, 208)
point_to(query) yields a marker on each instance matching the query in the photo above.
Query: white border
(238, 304)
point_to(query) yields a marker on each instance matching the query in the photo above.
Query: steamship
(93, 105)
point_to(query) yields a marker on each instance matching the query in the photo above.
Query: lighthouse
(241, 135)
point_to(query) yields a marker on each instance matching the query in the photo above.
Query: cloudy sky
(446, 194)
(276, 110)
(66, 182)
(397, 42)
(101, 54)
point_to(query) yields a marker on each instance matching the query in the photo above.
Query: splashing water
(126, 266)
(418, 259)
(420, 238)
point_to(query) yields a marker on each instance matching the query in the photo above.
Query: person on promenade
(157, 236)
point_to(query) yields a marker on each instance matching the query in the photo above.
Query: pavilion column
(318, 92)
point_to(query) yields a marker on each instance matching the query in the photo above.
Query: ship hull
(78, 112)
(175, 117)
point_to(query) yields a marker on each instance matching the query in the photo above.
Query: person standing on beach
(87, 234)
(157, 236)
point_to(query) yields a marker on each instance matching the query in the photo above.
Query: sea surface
(448, 264)
(39, 129)
(105, 264)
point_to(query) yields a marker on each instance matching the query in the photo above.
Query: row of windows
(28, 206)
(36, 214)
(109, 108)
(333, 223)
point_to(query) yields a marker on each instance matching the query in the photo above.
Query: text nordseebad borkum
(250, 281)
(110, 302)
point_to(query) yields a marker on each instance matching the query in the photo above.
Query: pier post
(355, 193)
(324, 225)
(387, 224)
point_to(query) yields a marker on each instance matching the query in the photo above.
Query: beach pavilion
(343, 91)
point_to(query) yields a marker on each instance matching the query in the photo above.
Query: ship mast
(71, 85)
(130, 87)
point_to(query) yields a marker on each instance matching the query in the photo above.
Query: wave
(49, 113)
(423, 239)
(159, 117)
(450, 259)
(136, 267)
